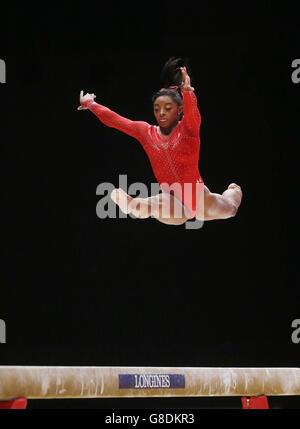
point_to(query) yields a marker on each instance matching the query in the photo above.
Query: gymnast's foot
(236, 195)
(121, 199)
(234, 185)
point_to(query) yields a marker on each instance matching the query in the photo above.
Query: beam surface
(42, 382)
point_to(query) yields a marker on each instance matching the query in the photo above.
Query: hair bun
(171, 74)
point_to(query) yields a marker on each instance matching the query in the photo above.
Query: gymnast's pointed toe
(114, 195)
(234, 185)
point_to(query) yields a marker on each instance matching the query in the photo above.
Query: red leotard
(174, 160)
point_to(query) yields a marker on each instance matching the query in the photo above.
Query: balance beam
(54, 382)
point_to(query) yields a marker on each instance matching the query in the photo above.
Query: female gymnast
(173, 149)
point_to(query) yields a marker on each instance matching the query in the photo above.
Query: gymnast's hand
(83, 99)
(186, 81)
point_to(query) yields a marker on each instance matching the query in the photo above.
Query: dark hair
(171, 76)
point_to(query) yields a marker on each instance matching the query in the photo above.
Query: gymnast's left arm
(191, 114)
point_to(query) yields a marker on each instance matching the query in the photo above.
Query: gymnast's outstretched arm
(112, 119)
(191, 115)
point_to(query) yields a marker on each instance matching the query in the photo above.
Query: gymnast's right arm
(108, 117)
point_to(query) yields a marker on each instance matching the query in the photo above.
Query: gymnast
(173, 148)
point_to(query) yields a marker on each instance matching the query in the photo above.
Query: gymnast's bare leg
(163, 207)
(218, 206)
(167, 209)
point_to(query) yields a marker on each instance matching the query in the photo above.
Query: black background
(79, 290)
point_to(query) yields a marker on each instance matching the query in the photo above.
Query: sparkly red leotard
(174, 160)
